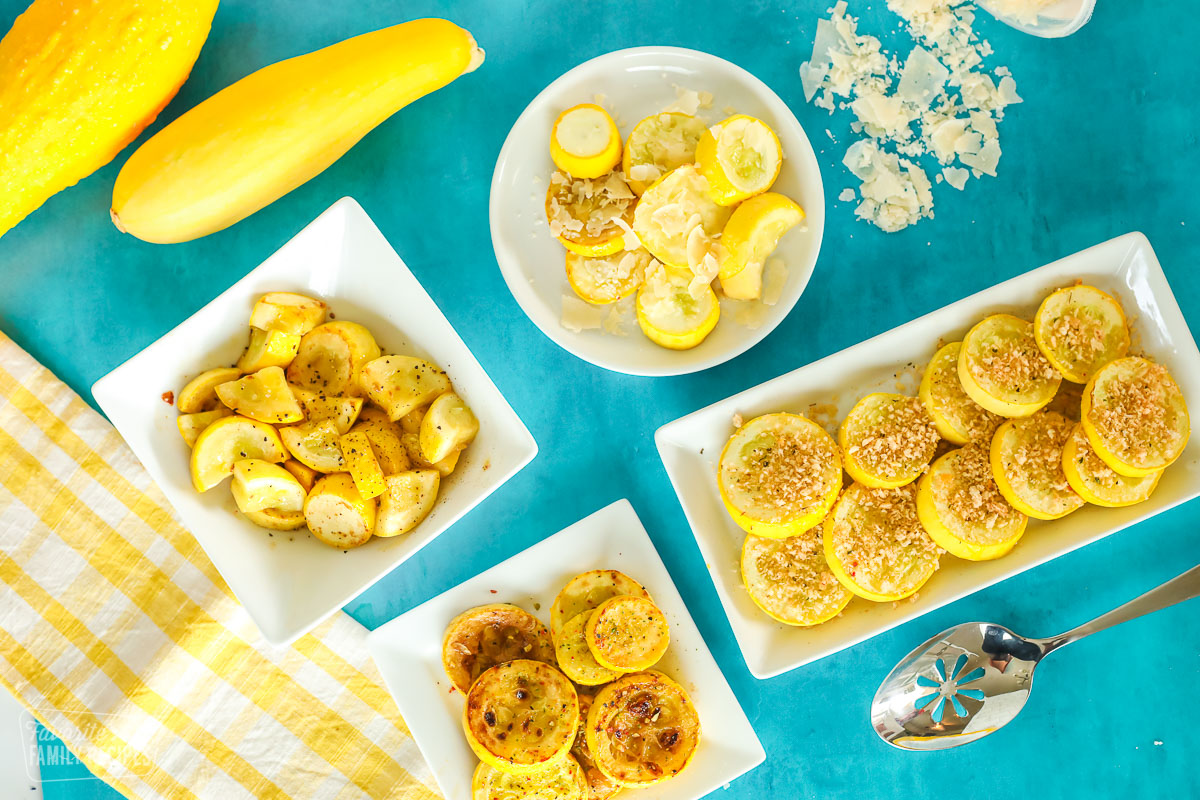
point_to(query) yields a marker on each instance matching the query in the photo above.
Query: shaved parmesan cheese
(847, 195)
(923, 78)
(955, 176)
(896, 192)
(1027, 12)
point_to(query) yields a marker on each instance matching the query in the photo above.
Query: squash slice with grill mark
(479, 639)
(575, 657)
(588, 590)
(521, 717)
(642, 729)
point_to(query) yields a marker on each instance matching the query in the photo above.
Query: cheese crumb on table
(940, 103)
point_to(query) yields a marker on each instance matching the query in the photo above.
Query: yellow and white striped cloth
(118, 634)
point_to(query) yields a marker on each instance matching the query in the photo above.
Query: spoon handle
(1176, 590)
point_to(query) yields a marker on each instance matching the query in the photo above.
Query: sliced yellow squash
(887, 440)
(875, 544)
(587, 591)
(337, 514)
(227, 441)
(521, 717)
(260, 484)
(1002, 369)
(407, 499)
(779, 475)
(316, 445)
(200, 393)
(754, 230)
(192, 425)
(276, 520)
(740, 157)
(303, 473)
(343, 411)
(590, 217)
(331, 356)
(564, 780)
(575, 657)
(607, 279)
(961, 507)
(790, 580)
(268, 349)
(361, 464)
(585, 142)
(959, 419)
(642, 729)
(448, 426)
(399, 384)
(264, 396)
(482, 637)
(1096, 482)
(1027, 463)
(671, 209)
(1080, 329)
(672, 312)
(1135, 416)
(659, 144)
(412, 446)
(288, 312)
(627, 634)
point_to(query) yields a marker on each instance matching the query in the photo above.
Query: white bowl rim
(519, 286)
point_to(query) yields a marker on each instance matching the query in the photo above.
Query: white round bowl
(636, 83)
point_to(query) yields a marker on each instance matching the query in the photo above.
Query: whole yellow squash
(79, 80)
(256, 140)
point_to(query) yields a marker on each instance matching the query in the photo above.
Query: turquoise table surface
(1105, 143)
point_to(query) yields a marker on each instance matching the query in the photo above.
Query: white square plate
(635, 84)
(408, 651)
(690, 446)
(290, 582)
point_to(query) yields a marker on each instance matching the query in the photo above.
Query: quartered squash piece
(361, 463)
(200, 393)
(288, 313)
(264, 396)
(447, 427)
(407, 499)
(227, 441)
(192, 425)
(399, 384)
(268, 349)
(316, 445)
(331, 356)
(344, 411)
(259, 485)
(337, 514)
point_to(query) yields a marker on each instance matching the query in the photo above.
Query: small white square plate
(290, 582)
(408, 651)
(690, 446)
(635, 84)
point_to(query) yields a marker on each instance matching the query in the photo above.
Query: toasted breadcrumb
(792, 574)
(1079, 336)
(971, 494)
(1033, 465)
(902, 438)
(879, 540)
(785, 471)
(1017, 366)
(953, 403)
(1136, 413)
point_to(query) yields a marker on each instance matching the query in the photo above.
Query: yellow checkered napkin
(121, 638)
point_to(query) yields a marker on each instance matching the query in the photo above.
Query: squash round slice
(779, 475)
(331, 356)
(448, 426)
(1096, 482)
(1080, 329)
(887, 440)
(659, 144)
(600, 786)
(316, 445)
(627, 634)
(669, 211)
(670, 314)
(607, 279)
(1027, 463)
(1002, 369)
(590, 216)
(479, 639)
(959, 419)
(740, 157)
(521, 716)
(564, 780)
(264, 396)
(575, 657)
(1135, 416)
(587, 591)
(400, 384)
(407, 499)
(337, 514)
(790, 579)
(268, 349)
(642, 729)
(200, 393)
(754, 230)
(875, 544)
(961, 507)
(585, 142)
(288, 312)
(229, 440)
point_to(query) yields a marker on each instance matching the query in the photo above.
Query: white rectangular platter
(408, 651)
(290, 582)
(892, 361)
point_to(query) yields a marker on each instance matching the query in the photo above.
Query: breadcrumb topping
(953, 403)
(879, 540)
(1016, 364)
(1135, 411)
(1033, 465)
(1080, 336)
(785, 471)
(1091, 467)
(901, 438)
(793, 575)
(969, 492)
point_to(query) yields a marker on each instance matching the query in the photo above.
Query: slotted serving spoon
(974, 679)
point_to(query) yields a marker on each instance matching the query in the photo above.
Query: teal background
(1105, 143)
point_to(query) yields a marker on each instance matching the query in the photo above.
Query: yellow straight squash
(79, 80)
(255, 141)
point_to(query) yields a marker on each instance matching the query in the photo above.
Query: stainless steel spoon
(974, 679)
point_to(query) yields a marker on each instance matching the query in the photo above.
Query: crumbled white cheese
(847, 195)
(1026, 12)
(941, 102)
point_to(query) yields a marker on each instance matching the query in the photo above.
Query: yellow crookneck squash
(256, 140)
(79, 80)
